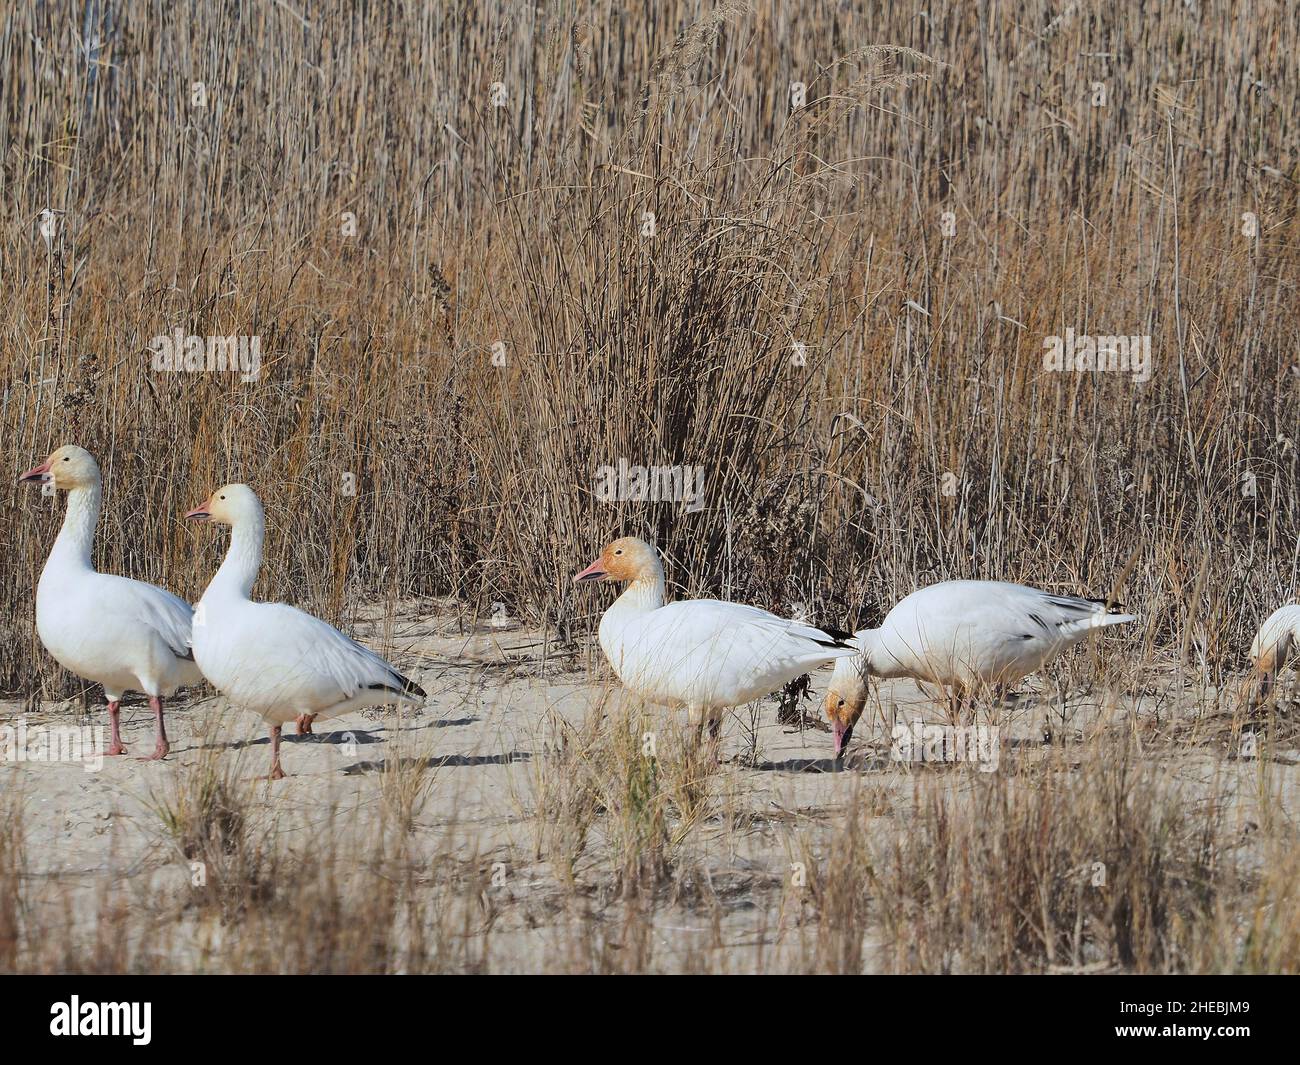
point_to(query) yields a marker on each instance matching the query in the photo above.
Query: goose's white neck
(72, 548)
(644, 593)
(243, 560)
(876, 660)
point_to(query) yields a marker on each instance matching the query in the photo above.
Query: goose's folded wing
(134, 601)
(707, 652)
(307, 643)
(698, 622)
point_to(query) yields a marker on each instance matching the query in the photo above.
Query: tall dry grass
(521, 224)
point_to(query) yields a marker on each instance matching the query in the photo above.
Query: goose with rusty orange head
(702, 654)
(1273, 645)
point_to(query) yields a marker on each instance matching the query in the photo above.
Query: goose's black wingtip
(838, 638)
(407, 687)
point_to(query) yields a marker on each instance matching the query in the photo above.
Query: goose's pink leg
(276, 772)
(303, 721)
(115, 745)
(161, 747)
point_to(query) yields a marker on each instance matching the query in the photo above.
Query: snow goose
(703, 654)
(271, 658)
(123, 634)
(1273, 644)
(962, 635)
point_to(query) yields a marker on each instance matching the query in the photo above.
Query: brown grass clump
(12, 865)
(645, 781)
(1113, 864)
(205, 814)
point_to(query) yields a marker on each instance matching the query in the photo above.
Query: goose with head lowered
(964, 636)
(271, 658)
(121, 633)
(1273, 645)
(703, 654)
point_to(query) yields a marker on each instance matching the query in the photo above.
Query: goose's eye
(840, 703)
(66, 457)
(619, 551)
(223, 497)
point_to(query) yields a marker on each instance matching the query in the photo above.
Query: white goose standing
(271, 658)
(123, 634)
(703, 654)
(964, 636)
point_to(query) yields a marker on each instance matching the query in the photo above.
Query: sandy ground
(493, 699)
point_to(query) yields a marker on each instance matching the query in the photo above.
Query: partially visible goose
(703, 654)
(1273, 645)
(963, 636)
(272, 658)
(123, 634)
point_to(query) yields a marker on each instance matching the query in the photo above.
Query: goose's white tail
(1097, 621)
